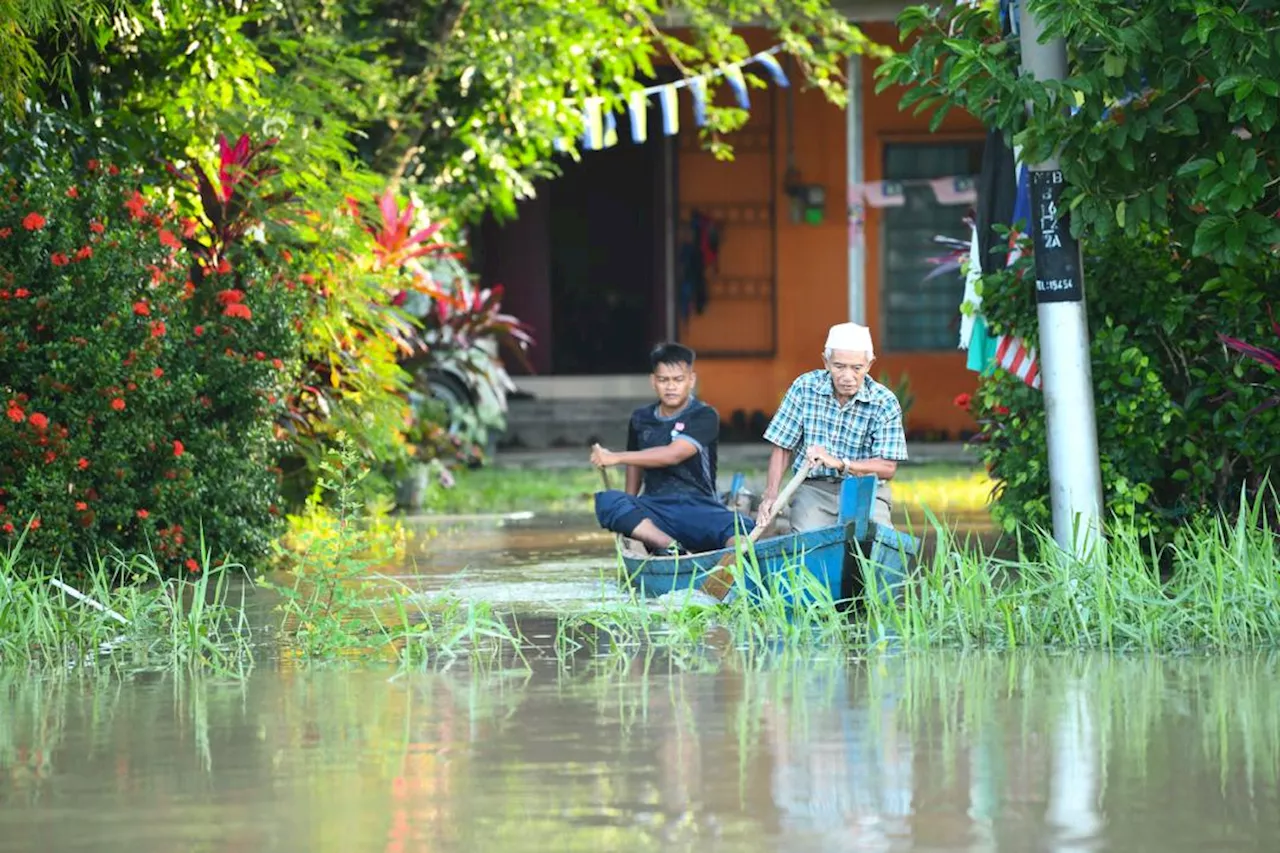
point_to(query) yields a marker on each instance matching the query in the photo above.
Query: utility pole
(1075, 477)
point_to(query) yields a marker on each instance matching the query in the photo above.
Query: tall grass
(121, 611)
(1215, 586)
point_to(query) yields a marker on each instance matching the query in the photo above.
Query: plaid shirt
(869, 426)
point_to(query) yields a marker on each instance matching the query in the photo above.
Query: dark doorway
(608, 257)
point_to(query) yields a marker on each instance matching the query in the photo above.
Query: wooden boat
(774, 561)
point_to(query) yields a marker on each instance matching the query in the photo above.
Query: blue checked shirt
(869, 426)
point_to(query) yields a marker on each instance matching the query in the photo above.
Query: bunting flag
(698, 87)
(610, 130)
(733, 75)
(593, 124)
(638, 109)
(961, 189)
(884, 193)
(670, 110)
(600, 128)
(774, 67)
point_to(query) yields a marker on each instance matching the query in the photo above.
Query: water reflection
(963, 752)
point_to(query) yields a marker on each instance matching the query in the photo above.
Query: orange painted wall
(813, 260)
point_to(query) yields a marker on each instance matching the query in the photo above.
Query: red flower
(82, 463)
(5, 232)
(118, 404)
(224, 266)
(277, 364)
(167, 239)
(962, 400)
(142, 309)
(8, 528)
(35, 524)
(158, 372)
(1001, 410)
(199, 330)
(93, 164)
(237, 309)
(136, 205)
(59, 259)
(97, 227)
(157, 329)
(230, 296)
(38, 421)
(142, 513)
(84, 253)
(260, 355)
(81, 506)
(33, 222)
(113, 170)
(189, 227)
(16, 414)
(178, 449)
(72, 192)
(21, 293)
(193, 566)
(49, 456)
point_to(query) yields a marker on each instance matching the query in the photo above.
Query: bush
(1181, 423)
(144, 358)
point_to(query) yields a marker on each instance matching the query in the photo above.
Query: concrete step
(535, 424)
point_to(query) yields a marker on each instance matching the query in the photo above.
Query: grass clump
(122, 611)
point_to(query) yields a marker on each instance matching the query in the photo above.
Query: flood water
(722, 752)
(901, 753)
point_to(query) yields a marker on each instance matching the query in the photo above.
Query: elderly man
(843, 421)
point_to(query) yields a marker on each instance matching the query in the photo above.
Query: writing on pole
(1057, 254)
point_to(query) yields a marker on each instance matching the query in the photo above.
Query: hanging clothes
(699, 255)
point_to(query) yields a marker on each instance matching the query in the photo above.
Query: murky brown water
(928, 753)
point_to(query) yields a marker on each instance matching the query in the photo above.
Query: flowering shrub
(144, 357)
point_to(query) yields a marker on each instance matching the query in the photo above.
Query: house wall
(812, 261)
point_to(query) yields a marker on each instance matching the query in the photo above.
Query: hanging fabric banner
(670, 109)
(638, 110)
(698, 86)
(733, 75)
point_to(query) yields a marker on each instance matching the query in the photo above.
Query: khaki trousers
(817, 504)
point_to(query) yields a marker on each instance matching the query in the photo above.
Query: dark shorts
(699, 524)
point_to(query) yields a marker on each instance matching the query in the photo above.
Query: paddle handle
(783, 497)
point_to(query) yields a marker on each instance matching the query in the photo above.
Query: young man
(845, 423)
(671, 450)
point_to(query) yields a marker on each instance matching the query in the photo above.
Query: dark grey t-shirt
(698, 424)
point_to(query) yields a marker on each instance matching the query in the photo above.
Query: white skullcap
(851, 337)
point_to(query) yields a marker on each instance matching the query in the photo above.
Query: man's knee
(618, 511)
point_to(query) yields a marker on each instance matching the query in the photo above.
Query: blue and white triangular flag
(638, 110)
(775, 69)
(733, 75)
(670, 109)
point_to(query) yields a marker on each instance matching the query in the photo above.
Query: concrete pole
(1075, 478)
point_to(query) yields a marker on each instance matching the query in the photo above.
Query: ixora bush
(144, 359)
(1165, 131)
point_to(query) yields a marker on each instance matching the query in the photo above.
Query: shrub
(1183, 425)
(144, 357)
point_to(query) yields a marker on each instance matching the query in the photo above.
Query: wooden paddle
(720, 580)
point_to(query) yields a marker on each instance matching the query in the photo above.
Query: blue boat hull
(820, 552)
(778, 560)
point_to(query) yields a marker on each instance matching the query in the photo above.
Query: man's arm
(634, 478)
(779, 463)
(655, 457)
(888, 447)
(882, 468)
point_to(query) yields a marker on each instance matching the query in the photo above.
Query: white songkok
(850, 337)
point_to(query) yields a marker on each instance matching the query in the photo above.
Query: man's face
(673, 383)
(848, 371)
